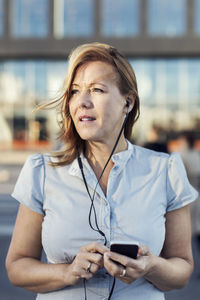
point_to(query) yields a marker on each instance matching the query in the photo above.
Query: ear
(130, 100)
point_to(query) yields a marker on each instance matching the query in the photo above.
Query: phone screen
(130, 250)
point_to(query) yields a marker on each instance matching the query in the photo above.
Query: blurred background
(161, 39)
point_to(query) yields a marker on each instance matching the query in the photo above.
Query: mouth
(86, 119)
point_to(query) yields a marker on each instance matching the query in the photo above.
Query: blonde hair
(126, 83)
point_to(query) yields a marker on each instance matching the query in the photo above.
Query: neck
(98, 153)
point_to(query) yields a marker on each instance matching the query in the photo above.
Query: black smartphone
(128, 249)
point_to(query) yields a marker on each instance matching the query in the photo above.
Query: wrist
(152, 265)
(66, 275)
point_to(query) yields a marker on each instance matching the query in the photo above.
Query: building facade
(161, 39)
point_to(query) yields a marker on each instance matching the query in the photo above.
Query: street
(8, 210)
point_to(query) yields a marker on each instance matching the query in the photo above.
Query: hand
(87, 262)
(128, 269)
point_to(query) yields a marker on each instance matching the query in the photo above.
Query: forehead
(95, 71)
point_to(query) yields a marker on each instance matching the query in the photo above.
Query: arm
(173, 269)
(23, 260)
(170, 271)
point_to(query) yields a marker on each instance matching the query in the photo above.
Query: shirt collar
(119, 159)
(74, 170)
(122, 157)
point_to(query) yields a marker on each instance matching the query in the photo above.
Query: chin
(89, 136)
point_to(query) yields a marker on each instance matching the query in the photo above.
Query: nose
(84, 100)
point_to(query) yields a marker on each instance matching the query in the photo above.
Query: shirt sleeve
(179, 191)
(30, 184)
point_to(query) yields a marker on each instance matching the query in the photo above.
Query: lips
(86, 118)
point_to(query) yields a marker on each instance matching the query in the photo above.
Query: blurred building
(161, 38)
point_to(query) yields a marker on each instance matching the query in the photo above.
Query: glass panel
(168, 81)
(24, 84)
(29, 18)
(169, 90)
(120, 18)
(1, 17)
(167, 17)
(172, 75)
(197, 17)
(73, 18)
(193, 71)
(145, 78)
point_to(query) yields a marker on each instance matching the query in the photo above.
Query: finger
(143, 250)
(117, 270)
(126, 280)
(89, 270)
(92, 268)
(122, 259)
(95, 247)
(114, 269)
(90, 257)
(86, 275)
(86, 270)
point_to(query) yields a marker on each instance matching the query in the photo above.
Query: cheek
(102, 109)
(113, 113)
(71, 109)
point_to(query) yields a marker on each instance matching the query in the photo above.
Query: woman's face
(96, 105)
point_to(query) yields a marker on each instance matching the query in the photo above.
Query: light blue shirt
(143, 185)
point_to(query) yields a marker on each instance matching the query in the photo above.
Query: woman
(75, 203)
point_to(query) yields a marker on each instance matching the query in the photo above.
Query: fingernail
(140, 251)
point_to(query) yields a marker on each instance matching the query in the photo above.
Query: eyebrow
(91, 84)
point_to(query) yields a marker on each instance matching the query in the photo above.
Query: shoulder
(148, 161)
(29, 188)
(41, 159)
(48, 160)
(35, 160)
(34, 166)
(147, 154)
(152, 155)
(170, 161)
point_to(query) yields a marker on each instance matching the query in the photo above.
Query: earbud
(127, 103)
(127, 106)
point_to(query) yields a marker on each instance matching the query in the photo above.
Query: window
(1, 17)
(73, 18)
(197, 17)
(169, 90)
(168, 81)
(28, 79)
(166, 17)
(193, 72)
(145, 74)
(120, 18)
(23, 84)
(172, 78)
(29, 18)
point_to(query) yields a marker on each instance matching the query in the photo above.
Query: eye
(74, 91)
(98, 90)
